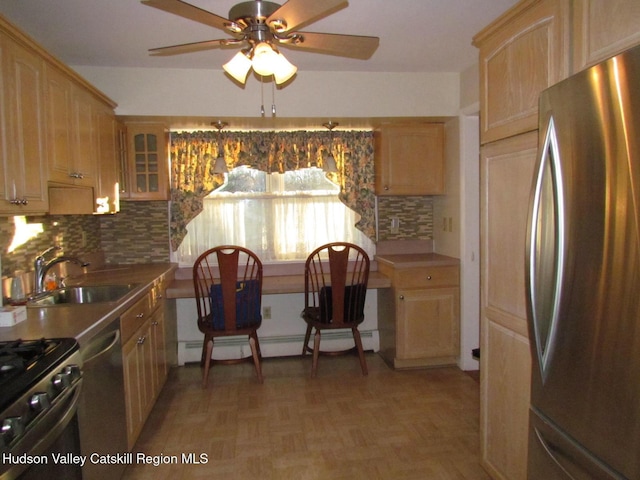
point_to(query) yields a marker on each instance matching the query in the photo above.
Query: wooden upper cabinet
(147, 162)
(107, 185)
(71, 131)
(602, 28)
(59, 114)
(22, 143)
(522, 53)
(409, 159)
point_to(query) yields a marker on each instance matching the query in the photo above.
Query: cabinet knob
(140, 315)
(401, 297)
(428, 277)
(141, 340)
(386, 187)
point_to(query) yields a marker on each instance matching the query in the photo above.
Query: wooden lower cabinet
(419, 316)
(144, 361)
(507, 168)
(504, 399)
(427, 326)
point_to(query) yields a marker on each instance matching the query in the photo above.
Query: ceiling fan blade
(186, 10)
(352, 46)
(189, 47)
(296, 13)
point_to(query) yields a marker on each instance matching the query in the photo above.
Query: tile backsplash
(138, 234)
(415, 215)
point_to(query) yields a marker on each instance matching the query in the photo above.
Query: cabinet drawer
(132, 319)
(426, 277)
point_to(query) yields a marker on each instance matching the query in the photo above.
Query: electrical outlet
(266, 313)
(395, 224)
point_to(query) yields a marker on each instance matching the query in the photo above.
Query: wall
(470, 88)
(183, 92)
(460, 236)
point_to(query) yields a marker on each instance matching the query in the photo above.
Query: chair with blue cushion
(228, 287)
(336, 276)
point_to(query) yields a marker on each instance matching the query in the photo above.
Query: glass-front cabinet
(146, 163)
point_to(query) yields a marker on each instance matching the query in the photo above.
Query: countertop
(271, 285)
(83, 321)
(413, 260)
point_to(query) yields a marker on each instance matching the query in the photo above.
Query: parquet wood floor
(419, 424)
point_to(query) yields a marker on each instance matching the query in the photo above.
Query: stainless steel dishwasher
(102, 412)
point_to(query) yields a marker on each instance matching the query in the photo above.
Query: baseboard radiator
(275, 346)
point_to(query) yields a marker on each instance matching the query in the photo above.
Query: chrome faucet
(41, 266)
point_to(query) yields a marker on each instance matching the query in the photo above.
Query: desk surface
(271, 285)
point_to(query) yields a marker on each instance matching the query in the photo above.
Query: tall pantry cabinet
(532, 46)
(521, 53)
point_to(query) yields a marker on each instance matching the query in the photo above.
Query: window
(281, 217)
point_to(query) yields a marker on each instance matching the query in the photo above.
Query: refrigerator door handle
(570, 457)
(545, 250)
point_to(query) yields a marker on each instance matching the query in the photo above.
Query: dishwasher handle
(103, 344)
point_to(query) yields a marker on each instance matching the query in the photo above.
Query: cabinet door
(409, 159)
(602, 28)
(159, 349)
(23, 109)
(507, 170)
(504, 400)
(137, 361)
(59, 125)
(84, 167)
(428, 324)
(107, 188)
(147, 162)
(521, 54)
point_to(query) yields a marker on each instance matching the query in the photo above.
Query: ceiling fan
(260, 28)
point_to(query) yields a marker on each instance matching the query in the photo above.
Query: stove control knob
(12, 428)
(39, 402)
(73, 371)
(61, 381)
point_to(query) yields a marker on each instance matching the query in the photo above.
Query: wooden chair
(336, 276)
(228, 287)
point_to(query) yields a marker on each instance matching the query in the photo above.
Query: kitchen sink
(82, 294)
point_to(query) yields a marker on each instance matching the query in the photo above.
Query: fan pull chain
(273, 98)
(262, 95)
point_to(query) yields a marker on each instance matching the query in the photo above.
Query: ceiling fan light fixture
(264, 59)
(238, 67)
(329, 164)
(283, 70)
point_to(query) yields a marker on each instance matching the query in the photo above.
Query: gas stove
(23, 363)
(39, 384)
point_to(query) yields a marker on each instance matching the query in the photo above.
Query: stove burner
(18, 355)
(24, 362)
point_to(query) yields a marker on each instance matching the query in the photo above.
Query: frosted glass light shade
(329, 164)
(283, 70)
(264, 59)
(220, 166)
(238, 67)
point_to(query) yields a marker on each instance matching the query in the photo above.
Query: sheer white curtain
(276, 227)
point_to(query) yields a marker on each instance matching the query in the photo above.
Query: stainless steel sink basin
(82, 294)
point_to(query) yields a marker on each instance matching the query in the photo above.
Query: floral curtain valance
(193, 156)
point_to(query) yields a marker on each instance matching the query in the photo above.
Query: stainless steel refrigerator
(583, 277)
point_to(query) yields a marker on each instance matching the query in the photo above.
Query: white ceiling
(415, 35)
